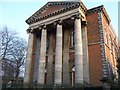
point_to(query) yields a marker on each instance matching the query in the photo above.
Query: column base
(49, 85)
(106, 86)
(67, 85)
(40, 85)
(57, 85)
(26, 85)
(79, 85)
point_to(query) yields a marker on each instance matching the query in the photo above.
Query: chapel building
(71, 45)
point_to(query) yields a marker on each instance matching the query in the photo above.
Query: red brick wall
(92, 27)
(111, 54)
(94, 48)
(95, 64)
(95, 61)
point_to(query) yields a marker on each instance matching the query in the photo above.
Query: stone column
(37, 55)
(58, 56)
(66, 72)
(78, 52)
(42, 58)
(49, 79)
(28, 65)
(85, 54)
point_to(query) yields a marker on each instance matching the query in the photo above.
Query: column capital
(30, 30)
(77, 16)
(58, 22)
(42, 26)
(84, 23)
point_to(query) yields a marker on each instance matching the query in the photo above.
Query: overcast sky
(13, 13)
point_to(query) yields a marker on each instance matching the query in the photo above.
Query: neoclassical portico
(52, 41)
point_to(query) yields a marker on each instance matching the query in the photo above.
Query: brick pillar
(78, 52)
(58, 56)
(28, 65)
(42, 58)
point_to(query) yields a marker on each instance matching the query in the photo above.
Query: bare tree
(12, 52)
(18, 54)
(6, 42)
(8, 68)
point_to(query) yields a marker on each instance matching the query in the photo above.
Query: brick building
(70, 45)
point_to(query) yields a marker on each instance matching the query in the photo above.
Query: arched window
(73, 68)
(110, 43)
(110, 70)
(73, 75)
(107, 39)
(106, 36)
(72, 43)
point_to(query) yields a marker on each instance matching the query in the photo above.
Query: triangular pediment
(52, 9)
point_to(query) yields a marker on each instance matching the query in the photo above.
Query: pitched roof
(51, 9)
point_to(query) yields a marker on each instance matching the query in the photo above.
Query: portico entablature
(50, 20)
(63, 16)
(66, 12)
